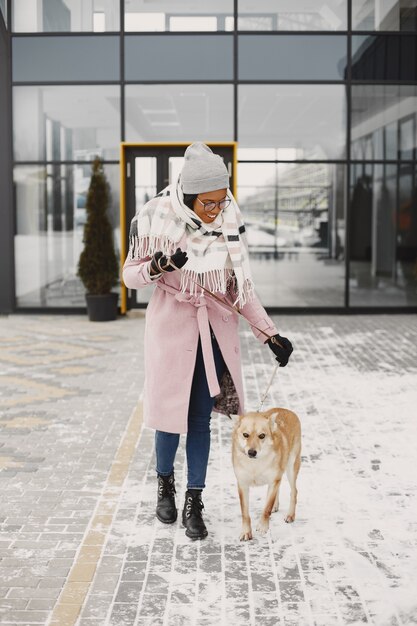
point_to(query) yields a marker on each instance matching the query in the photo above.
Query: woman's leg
(200, 408)
(166, 445)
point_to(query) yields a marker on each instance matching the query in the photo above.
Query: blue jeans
(198, 435)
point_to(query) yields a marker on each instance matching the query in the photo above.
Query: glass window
(198, 15)
(291, 118)
(383, 235)
(382, 115)
(50, 218)
(296, 15)
(288, 57)
(179, 112)
(388, 15)
(66, 122)
(295, 219)
(39, 16)
(384, 57)
(61, 59)
(189, 57)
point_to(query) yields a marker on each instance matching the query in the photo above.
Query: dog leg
(263, 524)
(292, 470)
(275, 508)
(246, 533)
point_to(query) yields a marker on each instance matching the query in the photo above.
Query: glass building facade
(321, 98)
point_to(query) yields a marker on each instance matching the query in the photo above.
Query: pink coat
(173, 324)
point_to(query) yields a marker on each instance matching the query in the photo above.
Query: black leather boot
(192, 517)
(166, 510)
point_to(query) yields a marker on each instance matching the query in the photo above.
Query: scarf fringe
(146, 246)
(247, 294)
(216, 281)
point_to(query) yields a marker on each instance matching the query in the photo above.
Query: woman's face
(208, 196)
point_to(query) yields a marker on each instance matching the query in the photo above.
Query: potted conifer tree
(98, 266)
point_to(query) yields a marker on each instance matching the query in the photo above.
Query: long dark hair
(189, 199)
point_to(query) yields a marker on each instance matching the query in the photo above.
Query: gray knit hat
(203, 170)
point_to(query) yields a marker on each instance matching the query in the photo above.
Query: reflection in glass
(179, 112)
(392, 15)
(383, 235)
(145, 189)
(66, 16)
(195, 16)
(382, 115)
(391, 140)
(50, 218)
(174, 168)
(295, 221)
(266, 154)
(145, 180)
(292, 57)
(296, 15)
(66, 122)
(384, 57)
(407, 137)
(3, 9)
(291, 118)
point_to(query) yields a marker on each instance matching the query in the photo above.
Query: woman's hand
(160, 262)
(283, 351)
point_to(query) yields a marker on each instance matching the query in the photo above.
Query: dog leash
(267, 389)
(231, 307)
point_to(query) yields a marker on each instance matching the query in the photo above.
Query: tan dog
(264, 445)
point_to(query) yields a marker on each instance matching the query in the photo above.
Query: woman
(191, 235)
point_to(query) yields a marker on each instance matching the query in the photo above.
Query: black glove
(159, 261)
(281, 354)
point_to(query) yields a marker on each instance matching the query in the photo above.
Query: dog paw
(289, 519)
(262, 527)
(275, 508)
(246, 535)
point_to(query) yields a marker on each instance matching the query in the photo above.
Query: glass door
(148, 170)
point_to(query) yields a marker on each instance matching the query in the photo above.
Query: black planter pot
(102, 308)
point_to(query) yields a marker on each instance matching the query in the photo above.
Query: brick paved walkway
(79, 543)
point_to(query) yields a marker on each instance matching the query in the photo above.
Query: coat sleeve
(255, 313)
(136, 273)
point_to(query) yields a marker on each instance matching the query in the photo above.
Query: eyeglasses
(210, 206)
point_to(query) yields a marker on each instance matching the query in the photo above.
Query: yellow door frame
(173, 144)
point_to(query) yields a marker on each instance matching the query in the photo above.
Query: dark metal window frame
(347, 82)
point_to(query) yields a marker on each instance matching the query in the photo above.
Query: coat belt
(204, 329)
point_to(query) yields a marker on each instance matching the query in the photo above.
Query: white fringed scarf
(217, 252)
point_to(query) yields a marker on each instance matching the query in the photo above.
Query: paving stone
(96, 607)
(41, 603)
(12, 603)
(24, 617)
(127, 592)
(51, 582)
(123, 615)
(134, 571)
(291, 591)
